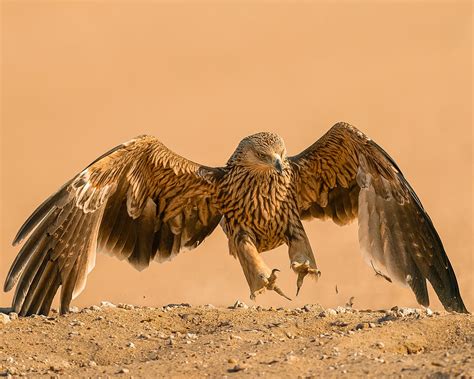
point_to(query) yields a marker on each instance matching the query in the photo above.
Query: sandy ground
(239, 341)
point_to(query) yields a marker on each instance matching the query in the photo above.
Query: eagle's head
(264, 151)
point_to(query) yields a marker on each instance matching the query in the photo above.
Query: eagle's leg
(301, 255)
(259, 276)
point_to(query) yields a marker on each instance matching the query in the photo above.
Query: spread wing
(345, 175)
(140, 201)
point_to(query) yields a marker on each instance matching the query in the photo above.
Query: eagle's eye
(261, 155)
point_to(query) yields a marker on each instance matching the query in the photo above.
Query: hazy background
(80, 78)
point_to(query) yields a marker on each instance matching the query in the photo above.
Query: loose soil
(183, 341)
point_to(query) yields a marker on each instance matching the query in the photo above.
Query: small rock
(131, 345)
(331, 312)
(144, 336)
(13, 316)
(372, 325)
(92, 364)
(380, 345)
(290, 358)
(307, 308)
(340, 310)
(239, 304)
(359, 326)
(290, 336)
(234, 337)
(232, 360)
(429, 312)
(95, 308)
(4, 319)
(123, 370)
(107, 304)
(128, 307)
(209, 306)
(74, 309)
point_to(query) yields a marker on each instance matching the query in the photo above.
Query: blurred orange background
(81, 77)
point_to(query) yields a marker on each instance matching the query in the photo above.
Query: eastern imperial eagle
(140, 201)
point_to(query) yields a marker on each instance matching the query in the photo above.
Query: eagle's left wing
(345, 175)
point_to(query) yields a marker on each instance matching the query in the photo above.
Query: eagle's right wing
(345, 175)
(140, 201)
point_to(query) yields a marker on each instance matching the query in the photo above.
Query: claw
(272, 277)
(269, 283)
(280, 292)
(303, 269)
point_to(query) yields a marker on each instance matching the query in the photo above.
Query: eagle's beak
(278, 164)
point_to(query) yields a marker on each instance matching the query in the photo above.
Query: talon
(303, 269)
(269, 284)
(299, 281)
(271, 279)
(280, 292)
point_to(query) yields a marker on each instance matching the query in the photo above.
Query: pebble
(13, 316)
(107, 304)
(128, 307)
(4, 319)
(131, 345)
(429, 312)
(380, 345)
(290, 336)
(307, 308)
(359, 326)
(95, 308)
(239, 304)
(74, 309)
(92, 364)
(234, 337)
(123, 370)
(331, 312)
(372, 325)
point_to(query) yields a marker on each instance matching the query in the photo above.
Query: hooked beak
(278, 164)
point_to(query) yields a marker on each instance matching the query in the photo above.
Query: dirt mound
(179, 340)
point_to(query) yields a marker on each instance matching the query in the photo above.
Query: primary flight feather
(142, 202)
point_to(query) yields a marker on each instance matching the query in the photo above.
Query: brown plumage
(140, 201)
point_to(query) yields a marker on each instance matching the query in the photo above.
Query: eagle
(141, 202)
